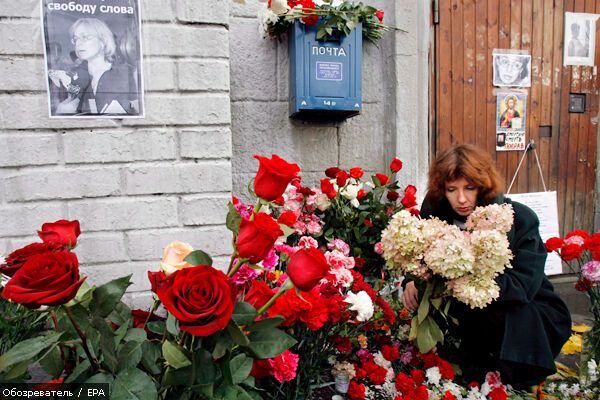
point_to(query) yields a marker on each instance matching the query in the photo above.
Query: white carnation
(361, 303)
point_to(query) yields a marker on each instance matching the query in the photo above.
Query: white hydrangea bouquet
(448, 263)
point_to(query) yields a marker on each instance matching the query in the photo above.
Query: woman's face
(462, 196)
(87, 44)
(509, 69)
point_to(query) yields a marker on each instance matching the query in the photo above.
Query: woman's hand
(68, 106)
(410, 296)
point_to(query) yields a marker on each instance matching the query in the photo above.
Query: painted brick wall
(135, 185)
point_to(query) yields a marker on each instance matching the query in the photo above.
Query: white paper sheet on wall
(545, 206)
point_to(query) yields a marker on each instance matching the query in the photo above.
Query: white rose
(279, 6)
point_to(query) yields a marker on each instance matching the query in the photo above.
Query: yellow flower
(573, 345)
(580, 328)
(362, 340)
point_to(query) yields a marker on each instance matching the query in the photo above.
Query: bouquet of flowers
(448, 263)
(581, 253)
(333, 17)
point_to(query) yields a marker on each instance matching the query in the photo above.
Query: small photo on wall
(580, 38)
(511, 117)
(511, 68)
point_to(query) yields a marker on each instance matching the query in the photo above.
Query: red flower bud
(332, 172)
(396, 164)
(273, 176)
(383, 178)
(61, 232)
(356, 172)
(342, 178)
(379, 15)
(306, 268)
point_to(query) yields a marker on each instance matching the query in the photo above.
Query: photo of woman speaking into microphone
(93, 58)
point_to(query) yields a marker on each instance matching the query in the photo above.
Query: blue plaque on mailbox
(325, 75)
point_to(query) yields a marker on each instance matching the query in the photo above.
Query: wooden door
(464, 103)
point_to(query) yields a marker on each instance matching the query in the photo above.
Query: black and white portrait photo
(580, 38)
(93, 58)
(511, 69)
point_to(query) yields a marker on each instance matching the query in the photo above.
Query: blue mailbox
(325, 76)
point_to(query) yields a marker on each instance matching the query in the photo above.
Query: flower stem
(235, 268)
(154, 307)
(284, 288)
(61, 347)
(256, 209)
(95, 364)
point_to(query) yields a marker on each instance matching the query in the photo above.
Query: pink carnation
(271, 260)
(378, 248)
(339, 244)
(245, 210)
(591, 271)
(286, 249)
(245, 275)
(337, 260)
(284, 366)
(308, 242)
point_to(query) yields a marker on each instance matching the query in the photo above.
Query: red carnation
(356, 172)
(583, 285)
(418, 376)
(17, 258)
(498, 393)
(288, 218)
(396, 164)
(327, 188)
(342, 178)
(61, 232)
(259, 294)
(448, 396)
(306, 268)
(554, 243)
(273, 176)
(390, 353)
(383, 178)
(404, 383)
(570, 252)
(356, 391)
(48, 279)
(202, 298)
(331, 172)
(257, 237)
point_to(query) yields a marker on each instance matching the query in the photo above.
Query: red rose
(306, 268)
(61, 232)
(396, 164)
(570, 252)
(141, 316)
(383, 178)
(331, 172)
(341, 178)
(409, 199)
(327, 188)
(259, 294)
(448, 396)
(498, 393)
(17, 258)
(392, 196)
(361, 193)
(554, 243)
(48, 279)
(379, 15)
(273, 176)
(414, 211)
(288, 218)
(356, 172)
(201, 298)
(257, 237)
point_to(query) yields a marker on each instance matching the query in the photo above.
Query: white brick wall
(135, 185)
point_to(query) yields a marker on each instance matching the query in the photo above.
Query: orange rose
(173, 257)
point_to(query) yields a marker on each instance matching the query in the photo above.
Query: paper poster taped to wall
(511, 68)
(545, 206)
(93, 58)
(510, 121)
(580, 39)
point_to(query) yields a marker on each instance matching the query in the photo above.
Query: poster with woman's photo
(511, 111)
(580, 39)
(511, 68)
(93, 58)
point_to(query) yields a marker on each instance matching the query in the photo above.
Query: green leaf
(233, 219)
(287, 231)
(16, 370)
(175, 355)
(229, 392)
(240, 366)
(133, 384)
(436, 303)
(129, 355)
(423, 310)
(135, 335)
(121, 315)
(428, 335)
(172, 325)
(236, 333)
(157, 327)
(269, 343)
(28, 349)
(243, 313)
(51, 363)
(108, 347)
(223, 344)
(81, 372)
(107, 296)
(206, 372)
(102, 378)
(150, 357)
(267, 323)
(198, 257)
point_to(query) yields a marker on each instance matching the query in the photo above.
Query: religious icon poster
(93, 58)
(511, 114)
